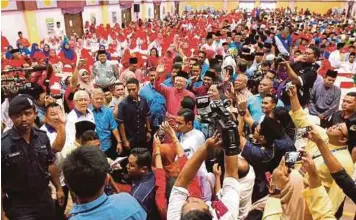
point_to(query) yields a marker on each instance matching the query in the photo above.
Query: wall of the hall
(11, 23)
(315, 6)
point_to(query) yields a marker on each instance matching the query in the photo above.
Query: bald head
(241, 82)
(243, 167)
(265, 86)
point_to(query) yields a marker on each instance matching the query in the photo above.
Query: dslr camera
(218, 118)
(280, 58)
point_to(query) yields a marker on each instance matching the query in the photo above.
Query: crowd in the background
(114, 123)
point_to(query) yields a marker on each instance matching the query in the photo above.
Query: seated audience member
(348, 109)
(349, 66)
(105, 125)
(143, 188)
(86, 174)
(68, 55)
(325, 99)
(36, 53)
(337, 138)
(18, 60)
(24, 51)
(182, 206)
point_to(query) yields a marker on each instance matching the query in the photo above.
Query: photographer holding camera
(181, 206)
(302, 74)
(337, 138)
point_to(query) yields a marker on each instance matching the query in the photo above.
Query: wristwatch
(242, 113)
(275, 191)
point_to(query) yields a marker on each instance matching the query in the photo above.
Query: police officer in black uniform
(27, 166)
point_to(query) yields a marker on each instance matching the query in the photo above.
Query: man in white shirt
(55, 126)
(336, 57)
(81, 112)
(348, 66)
(59, 32)
(190, 140)
(181, 206)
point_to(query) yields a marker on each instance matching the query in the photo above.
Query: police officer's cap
(20, 103)
(83, 126)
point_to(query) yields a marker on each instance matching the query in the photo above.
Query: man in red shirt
(176, 94)
(4, 43)
(17, 59)
(22, 40)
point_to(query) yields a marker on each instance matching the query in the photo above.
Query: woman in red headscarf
(152, 60)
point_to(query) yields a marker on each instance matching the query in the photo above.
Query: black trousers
(37, 206)
(61, 209)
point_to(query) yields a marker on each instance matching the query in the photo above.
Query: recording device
(302, 132)
(291, 158)
(281, 57)
(27, 70)
(218, 118)
(161, 134)
(289, 86)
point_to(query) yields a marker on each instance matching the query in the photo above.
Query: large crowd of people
(132, 121)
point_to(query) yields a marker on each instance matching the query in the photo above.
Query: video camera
(218, 118)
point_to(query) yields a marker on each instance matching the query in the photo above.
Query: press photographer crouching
(303, 74)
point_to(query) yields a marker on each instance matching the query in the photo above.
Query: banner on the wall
(92, 2)
(113, 1)
(8, 5)
(93, 19)
(114, 17)
(47, 4)
(50, 26)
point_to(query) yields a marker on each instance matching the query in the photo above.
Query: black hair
(20, 32)
(273, 72)
(229, 69)
(316, 51)
(51, 105)
(155, 50)
(188, 102)
(89, 135)
(242, 66)
(353, 94)
(273, 98)
(197, 214)
(178, 59)
(187, 114)
(85, 171)
(133, 81)
(143, 157)
(203, 52)
(352, 54)
(351, 46)
(177, 67)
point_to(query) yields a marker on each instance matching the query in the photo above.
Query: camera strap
(333, 151)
